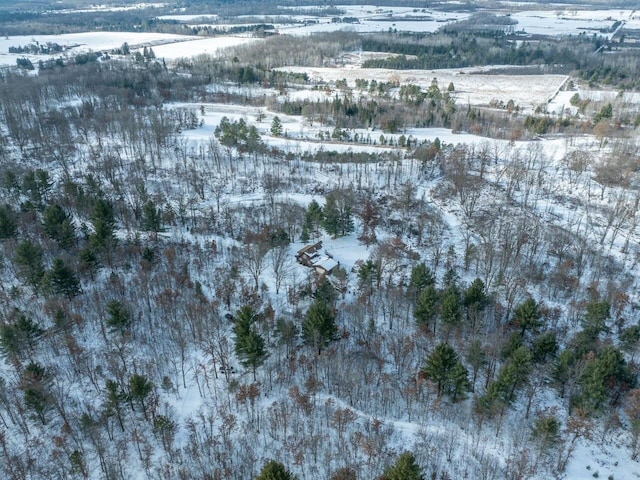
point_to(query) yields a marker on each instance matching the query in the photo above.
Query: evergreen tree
(249, 344)
(458, 382)
(313, 218)
(604, 376)
(405, 468)
(475, 300)
(58, 226)
(337, 213)
(595, 318)
(152, 218)
(19, 337)
(544, 347)
(425, 309)
(367, 275)
(35, 386)
(451, 307)
(331, 216)
(276, 127)
(421, 278)
(512, 376)
(61, 280)
(8, 226)
(37, 184)
(319, 327)
(88, 261)
(605, 113)
(119, 318)
(29, 264)
(444, 368)
(562, 370)
(546, 431)
(139, 389)
(526, 316)
(273, 470)
(115, 398)
(326, 292)
(104, 225)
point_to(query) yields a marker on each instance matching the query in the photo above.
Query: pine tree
(88, 261)
(58, 226)
(425, 310)
(544, 347)
(331, 216)
(367, 275)
(319, 327)
(458, 382)
(104, 225)
(512, 376)
(35, 383)
(338, 213)
(405, 468)
(61, 280)
(19, 337)
(115, 398)
(249, 344)
(603, 377)
(139, 389)
(475, 300)
(326, 292)
(526, 316)
(444, 368)
(273, 470)
(313, 219)
(8, 226)
(476, 358)
(152, 218)
(451, 307)
(421, 278)
(119, 318)
(595, 318)
(276, 127)
(28, 259)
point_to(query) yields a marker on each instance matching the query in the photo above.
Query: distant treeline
(581, 55)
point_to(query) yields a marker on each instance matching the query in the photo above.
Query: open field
(527, 91)
(82, 42)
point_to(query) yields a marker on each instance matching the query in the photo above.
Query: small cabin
(312, 257)
(307, 254)
(325, 265)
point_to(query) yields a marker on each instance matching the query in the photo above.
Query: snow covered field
(527, 91)
(563, 20)
(192, 48)
(83, 42)
(571, 22)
